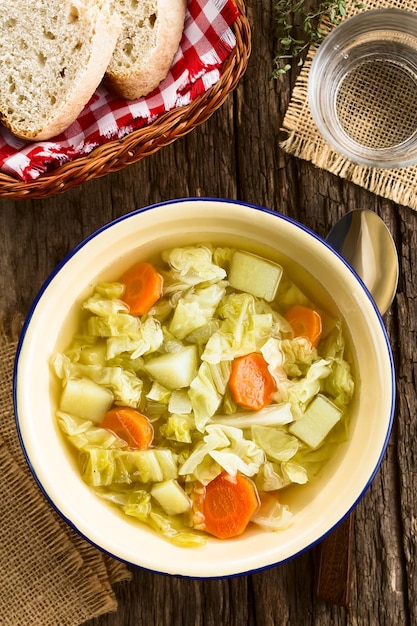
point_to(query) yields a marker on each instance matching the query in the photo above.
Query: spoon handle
(335, 564)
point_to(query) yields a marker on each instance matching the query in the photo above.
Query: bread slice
(53, 55)
(152, 31)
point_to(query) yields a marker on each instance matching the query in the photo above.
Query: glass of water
(362, 88)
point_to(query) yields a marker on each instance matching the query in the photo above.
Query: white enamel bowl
(318, 506)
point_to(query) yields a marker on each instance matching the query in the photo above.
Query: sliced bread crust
(152, 31)
(53, 55)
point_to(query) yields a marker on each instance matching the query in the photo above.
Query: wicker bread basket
(115, 155)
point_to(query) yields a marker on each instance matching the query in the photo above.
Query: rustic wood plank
(406, 424)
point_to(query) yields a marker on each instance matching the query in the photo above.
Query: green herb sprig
(291, 48)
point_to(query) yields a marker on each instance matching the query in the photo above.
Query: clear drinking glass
(362, 88)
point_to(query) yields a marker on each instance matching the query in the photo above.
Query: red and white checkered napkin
(206, 43)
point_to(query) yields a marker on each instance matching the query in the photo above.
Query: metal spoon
(363, 239)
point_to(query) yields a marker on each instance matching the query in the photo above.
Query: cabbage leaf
(104, 307)
(271, 415)
(272, 515)
(83, 434)
(190, 266)
(206, 391)
(178, 428)
(103, 467)
(149, 338)
(242, 330)
(196, 309)
(227, 447)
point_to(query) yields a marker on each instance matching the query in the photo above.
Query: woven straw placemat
(49, 575)
(303, 140)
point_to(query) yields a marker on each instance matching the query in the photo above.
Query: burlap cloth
(49, 576)
(303, 140)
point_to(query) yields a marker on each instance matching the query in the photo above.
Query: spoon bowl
(364, 241)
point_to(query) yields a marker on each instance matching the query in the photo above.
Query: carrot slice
(143, 287)
(305, 322)
(250, 382)
(130, 425)
(229, 504)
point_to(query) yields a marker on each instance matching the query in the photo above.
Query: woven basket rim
(116, 154)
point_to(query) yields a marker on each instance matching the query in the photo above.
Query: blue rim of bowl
(74, 251)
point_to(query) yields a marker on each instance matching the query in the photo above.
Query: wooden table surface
(236, 155)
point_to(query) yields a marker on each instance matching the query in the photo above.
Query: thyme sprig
(292, 48)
